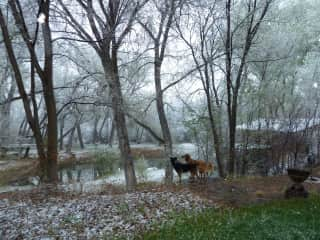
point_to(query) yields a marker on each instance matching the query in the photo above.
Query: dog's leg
(202, 177)
(194, 175)
(191, 176)
(198, 174)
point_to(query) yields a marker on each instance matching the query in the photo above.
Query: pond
(106, 169)
(146, 170)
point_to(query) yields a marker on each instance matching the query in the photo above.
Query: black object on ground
(298, 176)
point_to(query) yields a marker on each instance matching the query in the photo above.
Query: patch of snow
(41, 18)
(184, 148)
(312, 179)
(16, 188)
(155, 175)
(285, 125)
(34, 180)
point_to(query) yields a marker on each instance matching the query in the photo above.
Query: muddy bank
(18, 170)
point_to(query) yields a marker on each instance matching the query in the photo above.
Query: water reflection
(79, 173)
(146, 170)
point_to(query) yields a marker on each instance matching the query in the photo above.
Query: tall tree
(236, 52)
(109, 24)
(205, 50)
(159, 37)
(47, 152)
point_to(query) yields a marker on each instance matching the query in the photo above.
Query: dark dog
(183, 167)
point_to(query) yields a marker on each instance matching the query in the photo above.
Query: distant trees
(7, 90)
(276, 76)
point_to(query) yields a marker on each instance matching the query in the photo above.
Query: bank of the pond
(94, 165)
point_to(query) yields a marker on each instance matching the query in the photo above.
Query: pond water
(146, 170)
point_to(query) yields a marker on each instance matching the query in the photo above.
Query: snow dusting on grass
(92, 217)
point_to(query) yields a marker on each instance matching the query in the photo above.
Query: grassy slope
(291, 219)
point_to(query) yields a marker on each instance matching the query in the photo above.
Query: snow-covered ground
(92, 216)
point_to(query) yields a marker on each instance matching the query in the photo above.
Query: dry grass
(147, 152)
(246, 191)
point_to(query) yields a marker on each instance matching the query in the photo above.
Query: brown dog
(203, 168)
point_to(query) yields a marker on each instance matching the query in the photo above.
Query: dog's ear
(186, 156)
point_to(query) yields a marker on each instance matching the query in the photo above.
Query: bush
(107, 163)
(140, 167)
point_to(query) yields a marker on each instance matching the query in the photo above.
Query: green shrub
(107, 163)
(140, 166)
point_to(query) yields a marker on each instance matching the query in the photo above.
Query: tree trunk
(61, 132)
(229, 88)
(95, 131)
(162, 117)
(50, 102)
(80, 136)
(6, 107)
(111, 136)
(119, 119)
(216, 137)
(102, 126)
(22, 127)
(70, 139)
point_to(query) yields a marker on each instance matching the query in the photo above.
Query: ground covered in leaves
(47, 212)
(247, 191)
(95, 216)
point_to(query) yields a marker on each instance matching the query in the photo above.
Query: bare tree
(109, 23)
(205, 51)
(250, 23)
(47, 152)
(159, 37)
